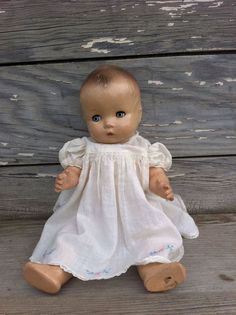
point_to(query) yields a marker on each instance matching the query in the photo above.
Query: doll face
(112, 113)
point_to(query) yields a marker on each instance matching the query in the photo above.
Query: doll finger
(61, 176)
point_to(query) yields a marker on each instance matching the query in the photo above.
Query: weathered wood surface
(50, 30)
(209, 289)
(207, 185)
(189, 105)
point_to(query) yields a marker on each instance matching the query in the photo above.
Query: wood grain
(188, 102)
(52, 30)
(209, 289)
(206, 185)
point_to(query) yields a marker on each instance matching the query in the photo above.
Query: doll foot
(162, 277)
(47, 278)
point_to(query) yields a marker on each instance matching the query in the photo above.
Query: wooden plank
(206, 185)
(209, 289)
(189, 105)
(49, 30)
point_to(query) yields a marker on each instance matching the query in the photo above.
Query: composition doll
(116, 208)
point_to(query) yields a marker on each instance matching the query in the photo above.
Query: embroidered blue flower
(169, 247)
(98, 273)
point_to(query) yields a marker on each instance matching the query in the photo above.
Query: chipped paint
(177, 89)
(230, 80)
(170, 24)
(202, 138)
(3, 163)
(14, 98)
(230, 137)
(45, 175)
(195, 37)
(163, 125)
(180, 7)
(2, 11)
(217, 4)
(177, 122)
(26, 154)
(123, 9)
(202, 82)
(102, 10)
(188, 73)
(4, 143)
(149, 125)
(111, 40)
(105, 51)
(204, 130)
(53, 93)
(176, 175)
(219, 83)
(139, 31)
(155, 82)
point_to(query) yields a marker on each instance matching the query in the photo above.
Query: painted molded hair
(105, 74)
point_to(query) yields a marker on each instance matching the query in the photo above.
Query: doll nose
(108, 123)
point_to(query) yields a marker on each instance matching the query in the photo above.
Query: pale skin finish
(112, 115)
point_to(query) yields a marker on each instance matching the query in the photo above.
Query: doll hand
(68, 179)
(159, 183)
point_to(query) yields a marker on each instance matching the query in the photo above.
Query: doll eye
(96, 118)
(120, 114)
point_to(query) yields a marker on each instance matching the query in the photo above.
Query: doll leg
(47, 278)
(159, 277)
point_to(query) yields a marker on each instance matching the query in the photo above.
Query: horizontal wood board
(188, 104)
(52, 30)
(207, 186)
(209, 289)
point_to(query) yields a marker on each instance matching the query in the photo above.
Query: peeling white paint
(67, 82)
(230, 80)
(14, 98)
(195, 37)
(139, 31)
(104, 51)
(2, 11)
(163, 125)
(3, 163)
(148, 125)
(45, 175)
(118, 41)
(195, 49)
(123, 9)
(102, 10)
(188, 73)
(217, 4)
(52, 148)
(4, 143)
(151, 4)
(204, 130)
(176, 175)
(189, 118)
(202, 138)
(180, 7)
(155, 82)
(171, 24)
(202, 82)
(230, 137)
(219, 83)
(177, 89)
(53, 93)
(177, 122)
(26, 154)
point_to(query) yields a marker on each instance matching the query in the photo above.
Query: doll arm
(159, 183)
(160, 160)
(68, 179)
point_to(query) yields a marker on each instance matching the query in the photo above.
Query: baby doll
(116, 208)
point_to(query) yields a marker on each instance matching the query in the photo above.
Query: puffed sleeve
(72, 153)
(159, 156)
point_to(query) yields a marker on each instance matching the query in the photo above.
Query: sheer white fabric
(111, 220)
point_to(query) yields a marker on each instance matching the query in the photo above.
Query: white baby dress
(111, 220)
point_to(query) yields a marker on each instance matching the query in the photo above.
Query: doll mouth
(110, 133)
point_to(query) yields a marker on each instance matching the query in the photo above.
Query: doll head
(111, 104)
